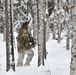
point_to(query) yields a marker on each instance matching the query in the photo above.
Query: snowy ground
(57, 63)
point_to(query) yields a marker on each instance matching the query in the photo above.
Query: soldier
(24, 46)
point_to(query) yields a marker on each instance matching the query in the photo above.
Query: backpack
(32, 40)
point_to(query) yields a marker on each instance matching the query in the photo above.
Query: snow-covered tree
(56, 20)
(51, 5)
(33, 11)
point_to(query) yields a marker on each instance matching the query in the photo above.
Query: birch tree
(66, 22)
(71, 9)
(59, 26)
(73, 47)
(41, 19)
(54, 22)
(73, 54)
(60, 14)
(47, 28)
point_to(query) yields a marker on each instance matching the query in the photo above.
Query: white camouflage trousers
(30, 55)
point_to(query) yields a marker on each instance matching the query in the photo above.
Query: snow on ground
(57, 63)
(2, 56)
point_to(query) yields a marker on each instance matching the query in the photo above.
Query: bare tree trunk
(7, 37)
(54, 31)
(68, 38)
(73, 47)
(41, 19)
(59, 34)
(68, 31)
(11, 32)
(54, 26)
(4, 26)
(59, 25)
(39, 54)
(73, 57)
(45, 51)
(47, 28)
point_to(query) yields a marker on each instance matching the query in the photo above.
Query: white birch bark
(73, 57)
(73, 48)
(34, 15)
(42, 16)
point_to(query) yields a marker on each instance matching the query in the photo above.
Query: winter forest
(52, 28)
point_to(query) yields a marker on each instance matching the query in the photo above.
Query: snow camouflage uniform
(24, 46)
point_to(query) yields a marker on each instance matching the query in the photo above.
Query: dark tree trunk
(7, 37)
(39, 56)
(11, 32)
(68, 31)
(45, 52)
